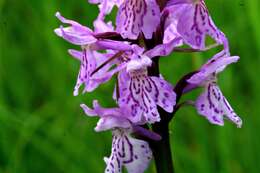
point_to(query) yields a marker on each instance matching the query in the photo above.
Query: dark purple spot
(166, 95)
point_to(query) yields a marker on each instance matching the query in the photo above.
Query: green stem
(162, 149)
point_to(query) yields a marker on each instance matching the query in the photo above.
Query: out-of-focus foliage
(43, 129)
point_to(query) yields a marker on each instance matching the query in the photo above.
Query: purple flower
(211, 103)
(136, 16)
(138, 92)
(194, 23)
(89, 57)
(126, 151)
(142, 93)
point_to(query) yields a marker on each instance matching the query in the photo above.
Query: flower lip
(213, 105)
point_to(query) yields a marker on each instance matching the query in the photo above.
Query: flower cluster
(144, 31)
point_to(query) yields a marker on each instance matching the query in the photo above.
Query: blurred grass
(42, 128)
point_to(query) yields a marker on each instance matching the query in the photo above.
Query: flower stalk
(162, 149)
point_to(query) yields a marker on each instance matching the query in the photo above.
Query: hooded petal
(132, 153)
(136, 16)
(214, 106)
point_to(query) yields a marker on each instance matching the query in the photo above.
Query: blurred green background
(43, 129)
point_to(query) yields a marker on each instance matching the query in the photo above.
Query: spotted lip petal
(141, 94)
(195, 23)
(136, 16)
(214, 106)
(132, 153)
